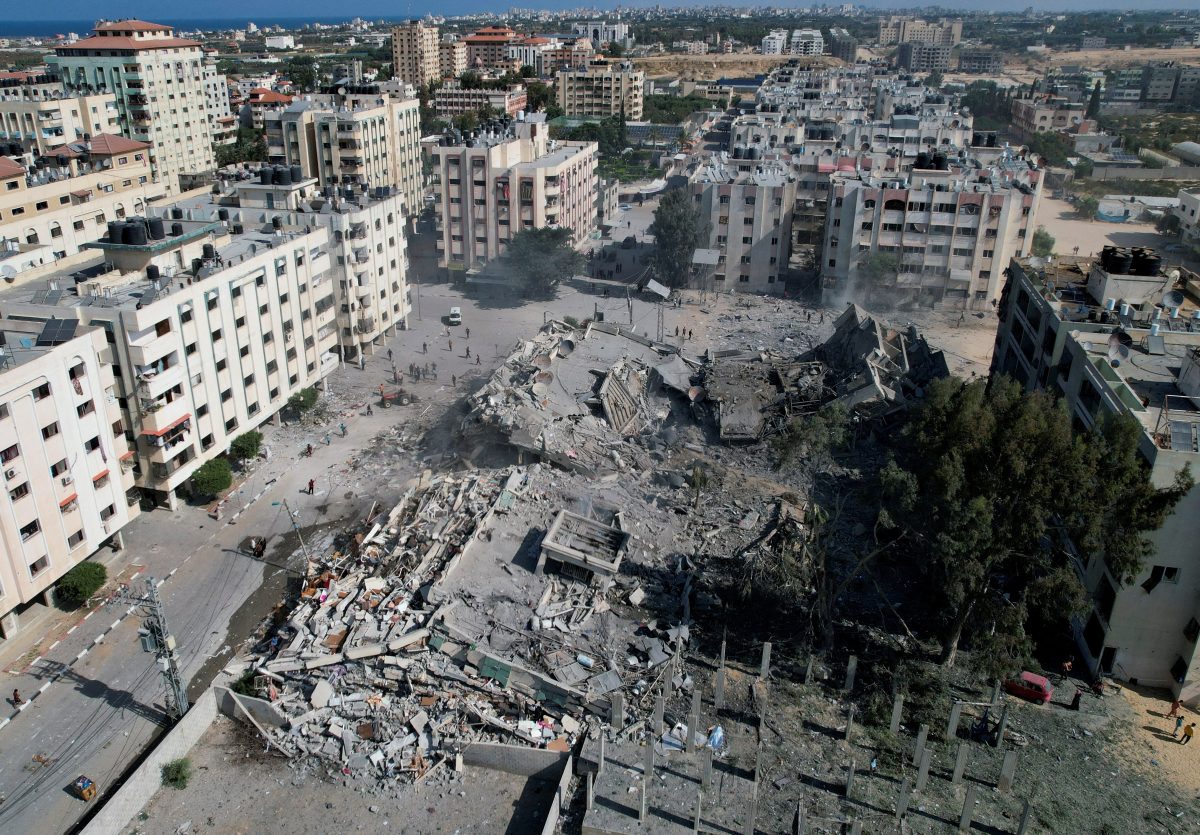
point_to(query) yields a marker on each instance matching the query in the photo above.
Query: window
(75, 539)
(50, 430)
(41, 391)
(30, 529)
(10, 454)
(85, 408)
(186, 316)
(248, 381)
(20, 491)
(59, 468)
(39, 566)
(202, 410)
(226, 395)
(93, 444)
(216, 335)
(221, 365)
(244, 351)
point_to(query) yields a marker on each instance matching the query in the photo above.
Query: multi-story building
(487, 48)
(507, 181)
(746, 207)
(601, 32)
(1093, 42)
(1188, 212)
(216, 92)
(980, 61)
(690, 47)
(1115, 337)
(262, 104)
(209, 333)
(602, 89)
(531, 52)
(1041, 114)
(776, 42)
(66, 463)
(944, 32)
(843, 45)
(366, 243)
(39, 124)
(923, 57)
(416, 53)
(453, 99)
(1158, 82)
(158, 81)
(65, 199)
(576, 54)
(807, 42)
(358, 136)
(452, 57)
(943, 231)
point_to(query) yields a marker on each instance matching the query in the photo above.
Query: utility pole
(157, 638)
(295, 527)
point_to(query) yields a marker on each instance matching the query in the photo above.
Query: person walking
(1178, 725)
(468, 352)
(328, 439)
(342, 426)
(454, 381)
(1189, 731)
(1175, 705)
(17, 700)
(424, 347)
(468, 332)
(477, 359)
(311, 484)
(389, 354)
(452, 345)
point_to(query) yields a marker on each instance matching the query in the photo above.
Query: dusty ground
(712, 67)
(1070, 230)
(1105, 58)
(236, 790)
(1150, 743)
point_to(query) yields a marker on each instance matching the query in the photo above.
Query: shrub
(177, 773)
(81, 582)
(212, 477)
(303, 400)
(246, 445)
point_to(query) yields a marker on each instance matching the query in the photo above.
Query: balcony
(365, 325)
(158, 417)
(165, 448)
(152, 383)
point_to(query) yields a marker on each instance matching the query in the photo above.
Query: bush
(246, 445)
(81, 582)
(177, 773)
(212, 477)
(303, 400)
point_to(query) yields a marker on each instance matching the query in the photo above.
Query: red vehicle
(1030, 686)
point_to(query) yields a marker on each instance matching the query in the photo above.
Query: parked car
(1030, 686)
(455, 317)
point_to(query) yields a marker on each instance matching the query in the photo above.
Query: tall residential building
(843, 46)
(940, 234)
(1046, 113)
(602, 89)
(415, 53)
(746, 207)
(65, 462)
(487, 48)
(807, 42)
(776, 42)
(158, 81)
(980, 61)
(52, 208)
(452, 58)
(209, 333)
(921, 57)
(532, 52)
(506, 181)
(1115, 336)
(361, 137)
(452, 99)
(944, 32)
(216, 92)
(575, 54)
(39, 124)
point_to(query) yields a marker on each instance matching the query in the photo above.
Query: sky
(75, 10)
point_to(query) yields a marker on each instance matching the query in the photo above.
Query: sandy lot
(1070, 230)
(1150, 745)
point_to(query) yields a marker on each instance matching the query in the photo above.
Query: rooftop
(22, 342)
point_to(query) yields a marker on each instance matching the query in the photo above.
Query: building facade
(843, 46)
(602, 89)
(601, 32)
(807, 42)
(452, 58)
(487, 48)
(775, 42)
(158, 82)
(1046, 113)
(39, 124)
(943, 32)
(416, 53)
(452, 99)
(504, 183)
(921, 57)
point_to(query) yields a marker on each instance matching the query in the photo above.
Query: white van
(455, 316)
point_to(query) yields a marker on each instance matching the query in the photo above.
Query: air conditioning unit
(67, 479)
(10, 473)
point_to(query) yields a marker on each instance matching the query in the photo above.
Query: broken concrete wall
(517, 759)
(264, 712)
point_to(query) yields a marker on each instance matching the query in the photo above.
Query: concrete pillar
(172, 500)
(856, 827)
(851, 669)
(749, 828)
(1002, 726)
(645, 790)
(591, 791)
(960, 764)
(719, 689)
(1008, 771)
(616, 716)
(648, 760)
(922, 736)
(952, 724)
(764, 668)
(10, 624)
(656, 725)
(849, 721)
(897, 713)
(699, 809)
(850, 779)
(694, 720)
(801, 827)
(118, 541)
(903, 798)
(600, 761)
(1023, 826)
(923, 769)
(968, 810)
(706, 777)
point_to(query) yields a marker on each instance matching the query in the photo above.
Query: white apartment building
(66, 464)
(504, 182)
(415, 55)
(216, 92)
(279, 42)
(532, 52)
(602, 89)
(602, 32)
(944, 32)
(158, 81)
(68, 197)
(1188, 212)
(211, 333)
(948, 231)
(776, 42)
(366, 243)
(353, 137)
(1119, 339)
(807, 42)
(746, 206)
(39, 124)
(690, 47)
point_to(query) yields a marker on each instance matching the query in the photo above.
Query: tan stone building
(39, 124)
(415, 53)
(601, 89)
(487, 48)
(452, 58)
(452, 99)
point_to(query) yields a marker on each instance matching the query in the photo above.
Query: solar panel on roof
(1155, 344)
(1184, 436)
(57, 331)
(148, 296)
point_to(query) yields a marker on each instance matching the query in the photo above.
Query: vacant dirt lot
(712, 67)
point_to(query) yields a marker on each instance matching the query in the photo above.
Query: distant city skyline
(74, 11)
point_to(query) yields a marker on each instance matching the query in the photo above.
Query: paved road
(97, 699)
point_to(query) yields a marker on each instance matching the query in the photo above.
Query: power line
(157, 638)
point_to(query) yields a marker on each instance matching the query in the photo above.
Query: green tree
(1087, 206)
(879, 267)
(614, 50)
(81, 582)
(1168, 224)
(1043, 242)
(177, 773)
(302, 71)
(212, 477)
(983, 471)
(246, 445)
(250, 146)
(934, 79)
(528, 71)
(303, 400)
(676, 231)
(466, 121)
(542, 258)
(1093, 107)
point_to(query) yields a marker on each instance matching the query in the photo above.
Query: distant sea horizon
(49, 28)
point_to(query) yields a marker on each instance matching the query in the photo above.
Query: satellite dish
(543, 377)
(1173, 299)
(566, 347)
(8, 272)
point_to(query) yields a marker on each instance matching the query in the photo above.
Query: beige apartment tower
(601, 89)
(415, 53)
